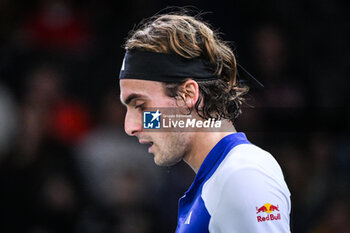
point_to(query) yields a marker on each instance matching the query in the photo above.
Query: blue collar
(215, 157)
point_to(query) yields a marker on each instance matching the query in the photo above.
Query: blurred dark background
(65, 162)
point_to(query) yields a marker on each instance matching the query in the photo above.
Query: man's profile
(175, 60)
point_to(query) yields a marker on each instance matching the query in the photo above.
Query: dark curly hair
(189, 37)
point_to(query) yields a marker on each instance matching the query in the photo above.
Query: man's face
(168, 147)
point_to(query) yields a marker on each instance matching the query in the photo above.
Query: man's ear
(190, 92)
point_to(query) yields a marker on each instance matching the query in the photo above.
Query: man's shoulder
(246, 179)
(244, 166)
(247, 156)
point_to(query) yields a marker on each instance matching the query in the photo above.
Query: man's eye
(140, 106)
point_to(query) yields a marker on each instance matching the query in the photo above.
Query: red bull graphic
(268, 208)
(261, 209)
(273, 208)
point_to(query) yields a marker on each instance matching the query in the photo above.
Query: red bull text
(268, 208)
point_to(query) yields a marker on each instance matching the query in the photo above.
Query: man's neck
(202, 143)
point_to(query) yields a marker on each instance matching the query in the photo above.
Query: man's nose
(132, 124)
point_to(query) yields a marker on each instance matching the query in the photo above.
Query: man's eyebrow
(131, 97)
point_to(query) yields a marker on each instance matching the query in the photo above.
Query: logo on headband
(151, 120)
(123, 65)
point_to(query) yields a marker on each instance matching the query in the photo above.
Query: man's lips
(142, 141)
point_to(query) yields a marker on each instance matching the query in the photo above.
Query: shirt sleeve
(250, 201)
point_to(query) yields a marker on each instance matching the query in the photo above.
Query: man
(175, 61)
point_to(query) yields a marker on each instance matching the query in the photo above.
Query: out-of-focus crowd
(66, 164)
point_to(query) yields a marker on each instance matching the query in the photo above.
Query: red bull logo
(268, 208)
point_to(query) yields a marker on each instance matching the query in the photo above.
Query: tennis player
(175, 60)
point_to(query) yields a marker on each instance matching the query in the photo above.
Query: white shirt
(239, 188)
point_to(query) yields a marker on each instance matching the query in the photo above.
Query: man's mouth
(142, 141)
(147, 142)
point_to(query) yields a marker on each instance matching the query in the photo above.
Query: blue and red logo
(151, 120)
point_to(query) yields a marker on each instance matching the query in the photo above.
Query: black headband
(164, 67)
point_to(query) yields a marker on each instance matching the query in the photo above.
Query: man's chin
(165, 163)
